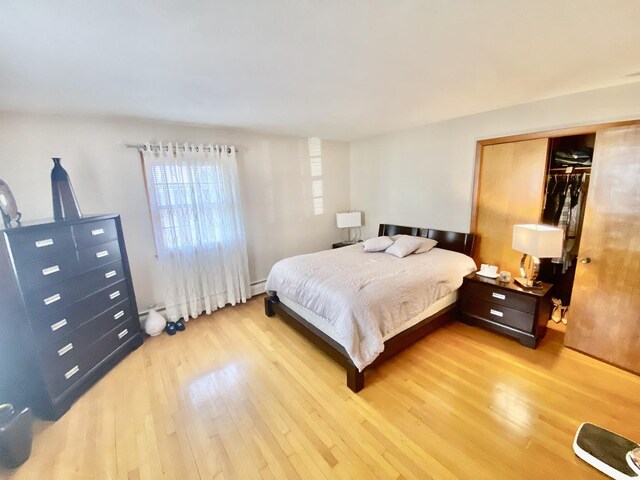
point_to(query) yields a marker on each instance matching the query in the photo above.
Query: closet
(549, 178)
(567, 185)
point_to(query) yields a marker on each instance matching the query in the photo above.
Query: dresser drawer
(101, 301)
(98, 279)
(50, 302)
(47, 272)
(31, 246)
(98, 255)
(77, 298)
(60, 351)
(511, 317)
(54, 327)
(92, 330)
(507, 298)
(108, 343)
(94, 233)
(62, 372)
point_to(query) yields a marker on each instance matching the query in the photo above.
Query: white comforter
(364, 296)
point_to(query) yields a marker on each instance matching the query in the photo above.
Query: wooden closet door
(604, 318)
(510, 191)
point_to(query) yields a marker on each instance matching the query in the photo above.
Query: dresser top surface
(50, 223)
(538, 292)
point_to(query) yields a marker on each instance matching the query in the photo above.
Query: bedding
(364, 296)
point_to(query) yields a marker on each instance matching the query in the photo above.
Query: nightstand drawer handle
(44, 243)
(118, 315)
(103, 253)
(72, 372)
(50, 270)
(497, 313)
(58, 325)
(110, 274)
(499, 296)
(52, 299)
(123, 333)
(65, 349)
(115, 294)
(97, 231)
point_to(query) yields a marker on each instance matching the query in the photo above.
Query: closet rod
(155, 146)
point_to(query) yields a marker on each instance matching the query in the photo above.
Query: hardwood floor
(239, 395)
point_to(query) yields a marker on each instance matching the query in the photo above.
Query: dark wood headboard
(456, 241)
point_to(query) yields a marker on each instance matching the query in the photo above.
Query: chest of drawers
(68, 310)
(506, 308)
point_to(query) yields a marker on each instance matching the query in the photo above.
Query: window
(315, 167)
(187, 202)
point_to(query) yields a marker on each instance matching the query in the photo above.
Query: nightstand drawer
(502, 297)
(492, 312)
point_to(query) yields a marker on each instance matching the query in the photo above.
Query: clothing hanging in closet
(564, 208)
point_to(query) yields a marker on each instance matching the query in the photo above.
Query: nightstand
(506, 308)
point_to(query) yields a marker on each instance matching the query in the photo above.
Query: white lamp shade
(349, 219)
(540, 241)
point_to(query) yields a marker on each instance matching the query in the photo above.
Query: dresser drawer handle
(499, 296)
(97, 231)
(65, 349)
(103, 253)
(497, 313)
(118, 315)
(52, 299)
(110, 274)
(44, 243)
(71, 372)
(58, 325)
(115, 294)
(50, 270)
(123, 333)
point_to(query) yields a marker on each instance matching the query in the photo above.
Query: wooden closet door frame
(563, 132)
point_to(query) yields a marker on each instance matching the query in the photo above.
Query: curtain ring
(144, 147)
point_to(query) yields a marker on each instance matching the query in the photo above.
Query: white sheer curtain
(197, 218)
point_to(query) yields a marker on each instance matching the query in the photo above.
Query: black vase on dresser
(65, 203)
(68, 312)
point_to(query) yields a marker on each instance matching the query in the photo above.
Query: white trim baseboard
(257, 288)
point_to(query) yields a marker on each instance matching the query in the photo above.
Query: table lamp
(536, 242)
(349, 220)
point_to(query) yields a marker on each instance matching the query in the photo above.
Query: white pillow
(404, 245)
(426, 244)
(377, 244)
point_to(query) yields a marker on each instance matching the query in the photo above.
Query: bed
(363, 312)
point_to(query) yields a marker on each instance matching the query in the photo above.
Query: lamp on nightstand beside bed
(536, 242)
(349, 220)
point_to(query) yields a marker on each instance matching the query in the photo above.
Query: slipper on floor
(180, 326)
(170, 328)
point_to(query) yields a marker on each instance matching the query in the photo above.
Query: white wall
(424, 176)
(274, 174)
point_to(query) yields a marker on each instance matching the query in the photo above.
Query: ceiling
(339, 69)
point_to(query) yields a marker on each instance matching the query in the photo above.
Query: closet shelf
(575, 169)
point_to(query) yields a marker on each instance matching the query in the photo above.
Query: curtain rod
(143, 147)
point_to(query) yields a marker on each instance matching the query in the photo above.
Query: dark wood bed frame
(458, 242)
